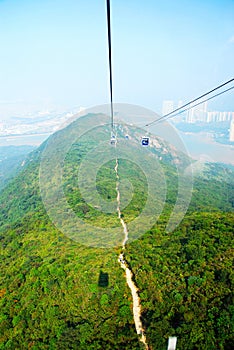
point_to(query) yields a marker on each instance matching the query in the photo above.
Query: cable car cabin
(145, 141)
(126, 137)
(113, 140)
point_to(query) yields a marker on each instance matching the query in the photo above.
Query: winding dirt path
(128, 272)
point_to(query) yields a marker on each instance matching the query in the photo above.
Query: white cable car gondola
(145, 141)
(113, 140)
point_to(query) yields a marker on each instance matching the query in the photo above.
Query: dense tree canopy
(58, 294)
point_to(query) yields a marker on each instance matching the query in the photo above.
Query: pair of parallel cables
(187, 106)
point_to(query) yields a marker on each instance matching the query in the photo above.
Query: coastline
(202, 146)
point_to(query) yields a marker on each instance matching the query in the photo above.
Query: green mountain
(58, 293)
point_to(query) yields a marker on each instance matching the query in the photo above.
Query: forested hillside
(58, 294)
(11, 160)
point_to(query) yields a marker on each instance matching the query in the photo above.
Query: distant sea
(202, 146)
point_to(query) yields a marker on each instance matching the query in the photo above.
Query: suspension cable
(197, 104)
(110, 61)
(188, 103)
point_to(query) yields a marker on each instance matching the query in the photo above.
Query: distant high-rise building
(212, 117)
(180, 104)
(216, 116)
(231, 135)
(189, 117)
(229, 115)
(197, 113)
(167, 107)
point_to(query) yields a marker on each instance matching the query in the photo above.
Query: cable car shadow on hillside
(103, 280)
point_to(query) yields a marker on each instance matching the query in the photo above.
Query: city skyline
(198, 113)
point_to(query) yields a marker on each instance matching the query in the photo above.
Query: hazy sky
(54, 52)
